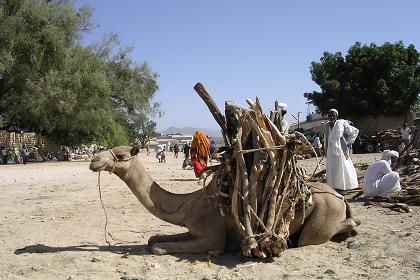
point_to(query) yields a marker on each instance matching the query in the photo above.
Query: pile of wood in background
(258, 180)
(388, 138)
(409, 170)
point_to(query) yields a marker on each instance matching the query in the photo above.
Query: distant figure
(65, 154)
(213, 148)
(317, 145)
(147, 150)
(284, 123)
(160, 154)
(187, 150)
(379, 179)
(405, 134)
(415, 139)
(4, 153)
(176, 151)
(200, 151)
(341, 174)
(24, 153)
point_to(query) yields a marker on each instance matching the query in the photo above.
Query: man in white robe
(379, 179)
(341, 174)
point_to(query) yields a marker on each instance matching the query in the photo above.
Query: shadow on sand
(228, 260)
(183, 180)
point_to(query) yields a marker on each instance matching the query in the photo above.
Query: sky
(244, 49)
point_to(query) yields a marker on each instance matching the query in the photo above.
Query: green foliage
(72, 94)
(370, 80)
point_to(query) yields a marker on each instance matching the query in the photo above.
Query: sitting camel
(329, 214)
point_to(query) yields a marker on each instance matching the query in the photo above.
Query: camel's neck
(167, 206)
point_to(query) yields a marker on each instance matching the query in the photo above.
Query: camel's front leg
(169, 238)
(195, 245)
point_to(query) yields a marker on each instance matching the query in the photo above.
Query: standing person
(24, 153)
(200, 151)
(415, 139)
(176, 151)
(379, 179)
(284, 123)
(187, 150)
(341, 174)
(212, 148)
(405, 134)
(317, 145)
(4, 153)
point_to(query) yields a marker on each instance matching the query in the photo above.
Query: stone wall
(371, 125)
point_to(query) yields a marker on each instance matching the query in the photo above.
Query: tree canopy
(51, 84)
(370, 80)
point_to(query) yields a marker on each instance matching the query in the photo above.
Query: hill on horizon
(211, 132)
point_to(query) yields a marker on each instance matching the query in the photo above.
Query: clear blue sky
(243, 49)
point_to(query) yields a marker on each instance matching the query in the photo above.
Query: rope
(103, 207)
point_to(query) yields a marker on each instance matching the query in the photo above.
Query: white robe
(340, 170)
(380, 180)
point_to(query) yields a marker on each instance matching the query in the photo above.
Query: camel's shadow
(228, 260)
(117, 249)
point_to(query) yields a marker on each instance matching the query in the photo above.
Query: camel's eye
(120, 157)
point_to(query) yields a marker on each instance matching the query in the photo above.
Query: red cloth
(198, 167)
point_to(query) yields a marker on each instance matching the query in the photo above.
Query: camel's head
(116, 160)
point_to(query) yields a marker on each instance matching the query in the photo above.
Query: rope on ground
(103, 207)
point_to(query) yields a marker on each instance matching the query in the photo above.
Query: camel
(328, 216)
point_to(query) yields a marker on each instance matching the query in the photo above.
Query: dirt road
(52, 227)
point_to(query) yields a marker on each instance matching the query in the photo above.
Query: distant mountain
(190, 130)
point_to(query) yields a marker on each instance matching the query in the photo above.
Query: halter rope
(100, 192)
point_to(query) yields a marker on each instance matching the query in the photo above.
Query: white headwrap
(333, 111)
(387, 154)
(283, 106)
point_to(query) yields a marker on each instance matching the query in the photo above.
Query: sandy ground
(52, 227)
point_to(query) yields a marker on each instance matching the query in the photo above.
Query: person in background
(379, 179)
(338, 133)
(405, 133)
(25, 154)
(212, 148)
(176, 151)
(415, 136)
(187, 150)
(200, 152)
(284, 123)
(317, 144)
(4, 153)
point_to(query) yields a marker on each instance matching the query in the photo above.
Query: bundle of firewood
(258, 181)
(389, 138)
(409, 171)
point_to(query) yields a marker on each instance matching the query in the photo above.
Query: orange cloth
(200, 150)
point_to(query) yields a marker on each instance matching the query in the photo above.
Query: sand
(52, 227)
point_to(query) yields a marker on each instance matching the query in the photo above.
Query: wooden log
(273, 198)
(250, 242)
(214, 110)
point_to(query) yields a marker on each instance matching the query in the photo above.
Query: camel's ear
(135, 150)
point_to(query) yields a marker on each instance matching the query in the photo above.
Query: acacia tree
(370, 80)
(34, 38)
(70, 93)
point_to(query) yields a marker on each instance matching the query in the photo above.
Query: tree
(370, 80)
(72, 94)
(34, 39)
